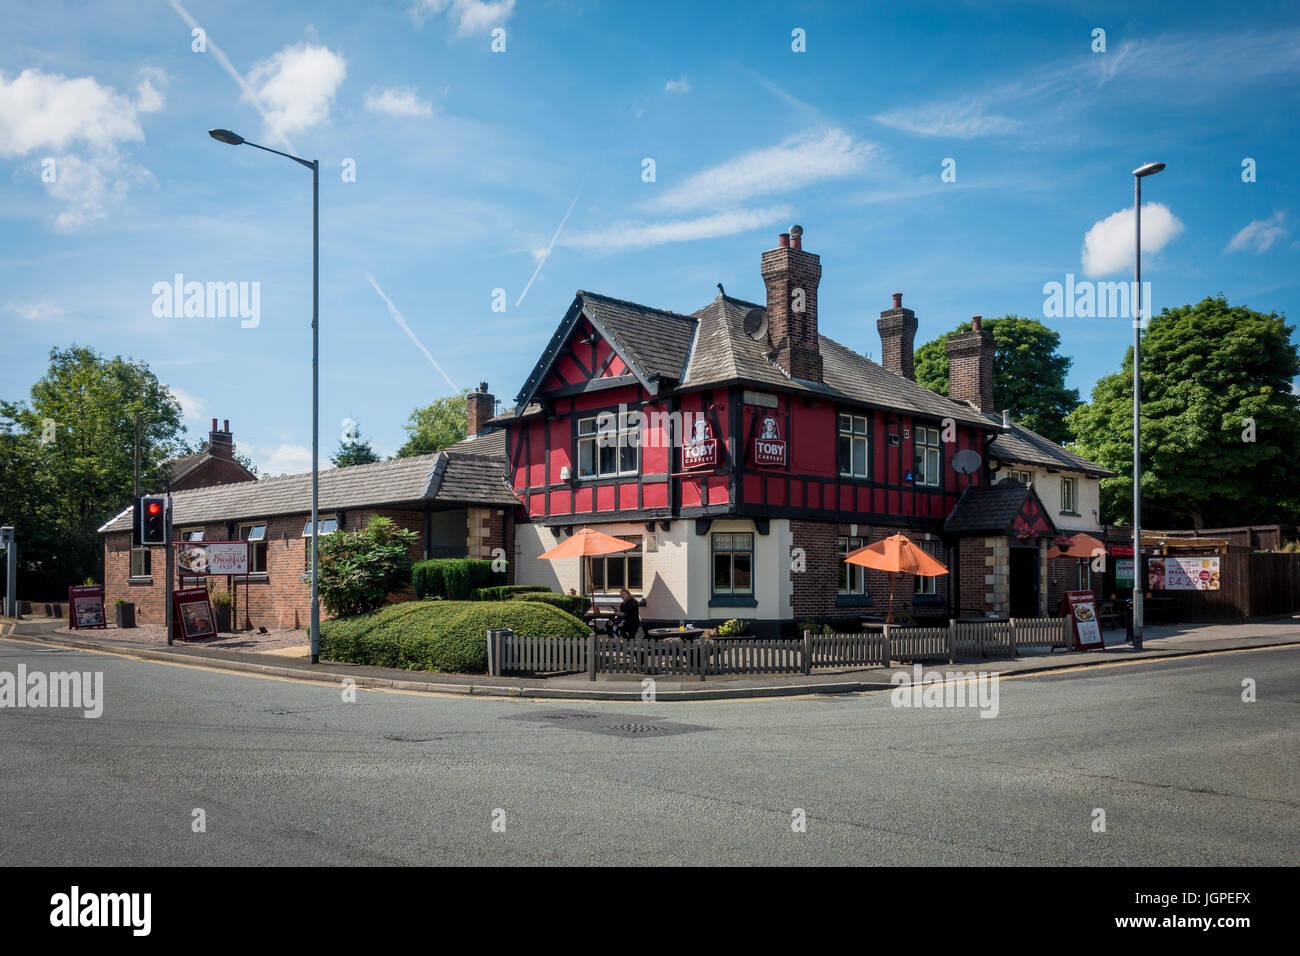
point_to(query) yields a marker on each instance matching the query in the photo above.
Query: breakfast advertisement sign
(1184, 574)
(213, 557)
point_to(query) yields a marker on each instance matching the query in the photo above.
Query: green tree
(354, 451)
(1028, 373)
(67, 461)
(435, 426)
(359, 569)
(1220, 423)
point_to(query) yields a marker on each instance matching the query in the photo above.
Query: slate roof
(990, 507)
(659, 340)
(1022, 445)
(445, 478)
(489, 445)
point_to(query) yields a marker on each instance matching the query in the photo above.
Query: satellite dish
(966, 462)
(756, 324)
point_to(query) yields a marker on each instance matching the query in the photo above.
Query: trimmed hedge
(448, 636)
(453, 579)
(575, 604)
(504, 592)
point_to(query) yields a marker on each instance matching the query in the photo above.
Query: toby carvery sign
(213, 557)
(701, 451)
(769, 447)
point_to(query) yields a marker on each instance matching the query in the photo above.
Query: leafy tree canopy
(354, 451)
(435, 426)
(1028, 373)
(1220, 423)
(359, 569)
(66, 461)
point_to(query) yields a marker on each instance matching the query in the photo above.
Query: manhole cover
(410, 740)
(615, 725)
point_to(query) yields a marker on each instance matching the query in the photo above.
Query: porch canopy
(1080, 545)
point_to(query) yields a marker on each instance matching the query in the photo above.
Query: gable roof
(178, 468)
(446, 478)
(653, 343)
(994, 508)
(1022, 445)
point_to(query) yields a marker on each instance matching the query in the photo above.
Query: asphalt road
(288, 773)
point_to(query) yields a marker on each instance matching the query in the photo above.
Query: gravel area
(157, 634)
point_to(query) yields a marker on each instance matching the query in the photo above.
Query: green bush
(359, 569)
(732, 628)
(575, 604)
(504, 592)
(448, 636)
(453, 578)
(814, 627)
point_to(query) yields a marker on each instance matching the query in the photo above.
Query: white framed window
(733, 563)
(612, 572)
(1024, 477)
(926, 471)
(1068, 501)
(853, 577)
(326, 526)
(609, 445)
(256, 535)
(141, 562)
(852, 448)
(927, 586)
(192, 535)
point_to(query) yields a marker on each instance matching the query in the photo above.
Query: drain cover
(615, 725)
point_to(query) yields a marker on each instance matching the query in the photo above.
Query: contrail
(397, 317)
(234, 74)
(547, 254)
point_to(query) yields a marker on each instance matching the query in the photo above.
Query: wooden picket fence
(599, 654)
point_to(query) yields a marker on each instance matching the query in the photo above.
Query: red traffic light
(154, 507)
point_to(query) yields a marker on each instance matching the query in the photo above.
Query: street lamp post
(234, 139)
(1146, 169)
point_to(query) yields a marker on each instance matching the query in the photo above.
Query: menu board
(1080, 607)
(1183, 574)
(86, 606)
(193, 613)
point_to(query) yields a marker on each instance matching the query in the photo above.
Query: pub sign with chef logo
(213, 557)
(769, 447)
(701, 450)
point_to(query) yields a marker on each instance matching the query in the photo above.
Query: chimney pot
(1006, 419)
(785, 240)
(976, 322)
(214, 424)
(796, 237)
(225, 425)
(898, 300)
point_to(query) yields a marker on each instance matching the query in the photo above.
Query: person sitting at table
(628, 621)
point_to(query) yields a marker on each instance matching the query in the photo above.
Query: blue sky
(468, 160)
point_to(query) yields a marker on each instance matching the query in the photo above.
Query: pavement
(1156, 762)
(1159, 642)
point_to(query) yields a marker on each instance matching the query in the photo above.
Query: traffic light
(151, 520)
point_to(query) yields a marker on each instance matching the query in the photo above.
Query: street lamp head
(1148, 169)
(226, 136)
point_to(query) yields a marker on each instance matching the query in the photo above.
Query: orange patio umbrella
(1080, 546)
(587, 543)
(898, 555)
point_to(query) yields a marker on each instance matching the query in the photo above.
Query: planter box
(222, 617)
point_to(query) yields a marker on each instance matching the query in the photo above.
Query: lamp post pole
(234, 139)
(1147, 169)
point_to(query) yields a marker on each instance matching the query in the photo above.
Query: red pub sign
(701, 450)
(769, 447)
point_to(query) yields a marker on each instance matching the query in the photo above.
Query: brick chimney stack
(970, 366)
(221, 444)
(479, 407)
(897, 327)
(792, 276)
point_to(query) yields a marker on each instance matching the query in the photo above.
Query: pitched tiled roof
(1021, 445)
(445, 478)
(659, 340)
(988, 507)
(489, 445)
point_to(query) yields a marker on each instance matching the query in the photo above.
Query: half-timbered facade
(743, 453)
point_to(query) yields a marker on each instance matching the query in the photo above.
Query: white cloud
(799, 161)
(1260, 234)
(192, 407)
(295, 87)
(34, 311)
(471, 16)
(287, 459)
(961, 120)
(75, 128)
(402, 101)
(680, 85)
(620, 236)
(1108, 245)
